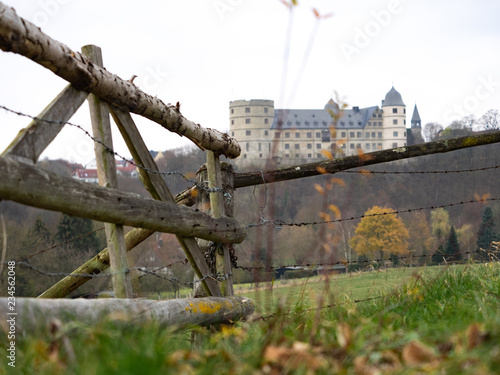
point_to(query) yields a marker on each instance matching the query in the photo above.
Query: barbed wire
(298, 313)
(353, 262)
(217, 276)
(110, 150)
(369, 171)
(278, 223)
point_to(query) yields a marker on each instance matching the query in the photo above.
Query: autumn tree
(440, 224)
(382, 231)
(420, 240)
(431, 131)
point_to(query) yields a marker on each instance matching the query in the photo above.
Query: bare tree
(490, 120)
(431, 131)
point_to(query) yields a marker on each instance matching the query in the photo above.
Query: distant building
(299, 135)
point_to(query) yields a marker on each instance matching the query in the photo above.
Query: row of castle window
(325, 135)
(247, 110)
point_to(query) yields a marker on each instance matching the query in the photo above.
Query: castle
(297, 136)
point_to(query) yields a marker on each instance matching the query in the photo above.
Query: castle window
(248, 146)
(342, 123)
(394, 110)
(324, 123)
(266, 109)
(232, 134)
(404, 110)
(287, 135)
(307, 123)
(309, 155)
(260, 147)
(297, 123)
(404, 134)
(244, 156)
(316, 123)
(266, 133)
(260, 155)
(379, 146)
(247, 110)
(325, 136)
(379, 115)
(360, 123)
(277, 135)
(318, 134)
(309, 134)
(297, 146)
(309, 146)
(318, 146)
(343, 134)
(379, 134)
(247, 121)
(352, 134)
(287, 146)
(296, 155)
(395, 121)
(373, 134)
(360, 135)
(351, 146)
(394, 144)
(289, 123)
(395, 134)
(266, 121)
(351, 123)
(318, 155)
(232, 110)
(248, 132)
(358, 145)
(374, 146)
(232, 122)
(405, 122)
(380, 123)
(297, 135)
(367, 135)
(367, 146)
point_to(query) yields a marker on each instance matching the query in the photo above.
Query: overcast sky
(444, 56)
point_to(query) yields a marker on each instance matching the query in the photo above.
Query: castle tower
(250, 122)
(394, 120)
(416, 122)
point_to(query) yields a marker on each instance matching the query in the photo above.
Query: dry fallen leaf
(474, 336)
(415, 353)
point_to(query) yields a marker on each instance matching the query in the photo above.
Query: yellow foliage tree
(380, 230)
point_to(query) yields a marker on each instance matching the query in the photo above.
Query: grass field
(442, 320)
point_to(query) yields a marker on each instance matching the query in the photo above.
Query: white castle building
(297, 136)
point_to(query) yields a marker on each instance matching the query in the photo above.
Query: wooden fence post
(106, 171)
(216, 180)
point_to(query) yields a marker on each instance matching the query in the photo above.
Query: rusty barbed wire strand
(281, 223)
(110, 150)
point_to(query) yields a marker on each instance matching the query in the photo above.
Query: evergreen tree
(486, 234)
(40, 231)
(452, 251)
(437, 257)
(70, 227)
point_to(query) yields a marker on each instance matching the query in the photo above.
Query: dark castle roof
(355, 118)
(416, 115)
(393, 98)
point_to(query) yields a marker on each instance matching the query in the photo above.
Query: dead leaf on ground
(415, 353)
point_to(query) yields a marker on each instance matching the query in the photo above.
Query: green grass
(443, 320)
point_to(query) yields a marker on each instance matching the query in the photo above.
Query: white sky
(444, 56)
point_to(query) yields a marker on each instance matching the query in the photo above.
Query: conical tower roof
(393, 98)
(416, 115)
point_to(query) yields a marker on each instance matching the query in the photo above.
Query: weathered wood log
(176, 314)
(34, 139)
(32, 186)
(106, 173)
(94, 266)
(22, 37)
(158, 189)
(372, 158)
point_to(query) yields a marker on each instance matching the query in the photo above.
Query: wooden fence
(23, 182)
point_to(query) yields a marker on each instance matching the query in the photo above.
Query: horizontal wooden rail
(341, 164)
(33, 186)
(22, 37)
(176, 314)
